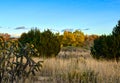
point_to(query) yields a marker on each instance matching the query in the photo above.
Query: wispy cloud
(21, 27)
(67, 30)
(87, 29)
(84, 29)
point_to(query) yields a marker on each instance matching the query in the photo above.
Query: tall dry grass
(79, 70)
(77, 67)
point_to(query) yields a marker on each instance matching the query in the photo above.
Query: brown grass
(78, 70)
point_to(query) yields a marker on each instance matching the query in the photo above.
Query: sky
(90, 16)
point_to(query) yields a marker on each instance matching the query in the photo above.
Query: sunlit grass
(79, 70)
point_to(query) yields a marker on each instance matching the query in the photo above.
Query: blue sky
(99, 16)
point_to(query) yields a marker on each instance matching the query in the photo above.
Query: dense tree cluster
(108, 46)
(47, 43)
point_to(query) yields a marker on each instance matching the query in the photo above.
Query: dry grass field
(77, 67)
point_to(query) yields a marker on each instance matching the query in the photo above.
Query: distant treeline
(49, 43)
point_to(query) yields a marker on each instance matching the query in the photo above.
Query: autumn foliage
(5, 36)
(75, 38)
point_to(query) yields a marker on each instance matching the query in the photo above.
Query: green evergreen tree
(116, 34)
(50, 43)
(45, 42)
(107, 47)
(100, 47)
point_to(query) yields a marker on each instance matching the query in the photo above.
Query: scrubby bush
(107, 46)
(47, 43)
(16, 63)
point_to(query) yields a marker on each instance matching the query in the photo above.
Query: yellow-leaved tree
(75, 38)
(68, 38)
(79, 37)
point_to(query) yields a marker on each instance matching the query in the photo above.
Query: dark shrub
(45, 42)
(107, 47)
